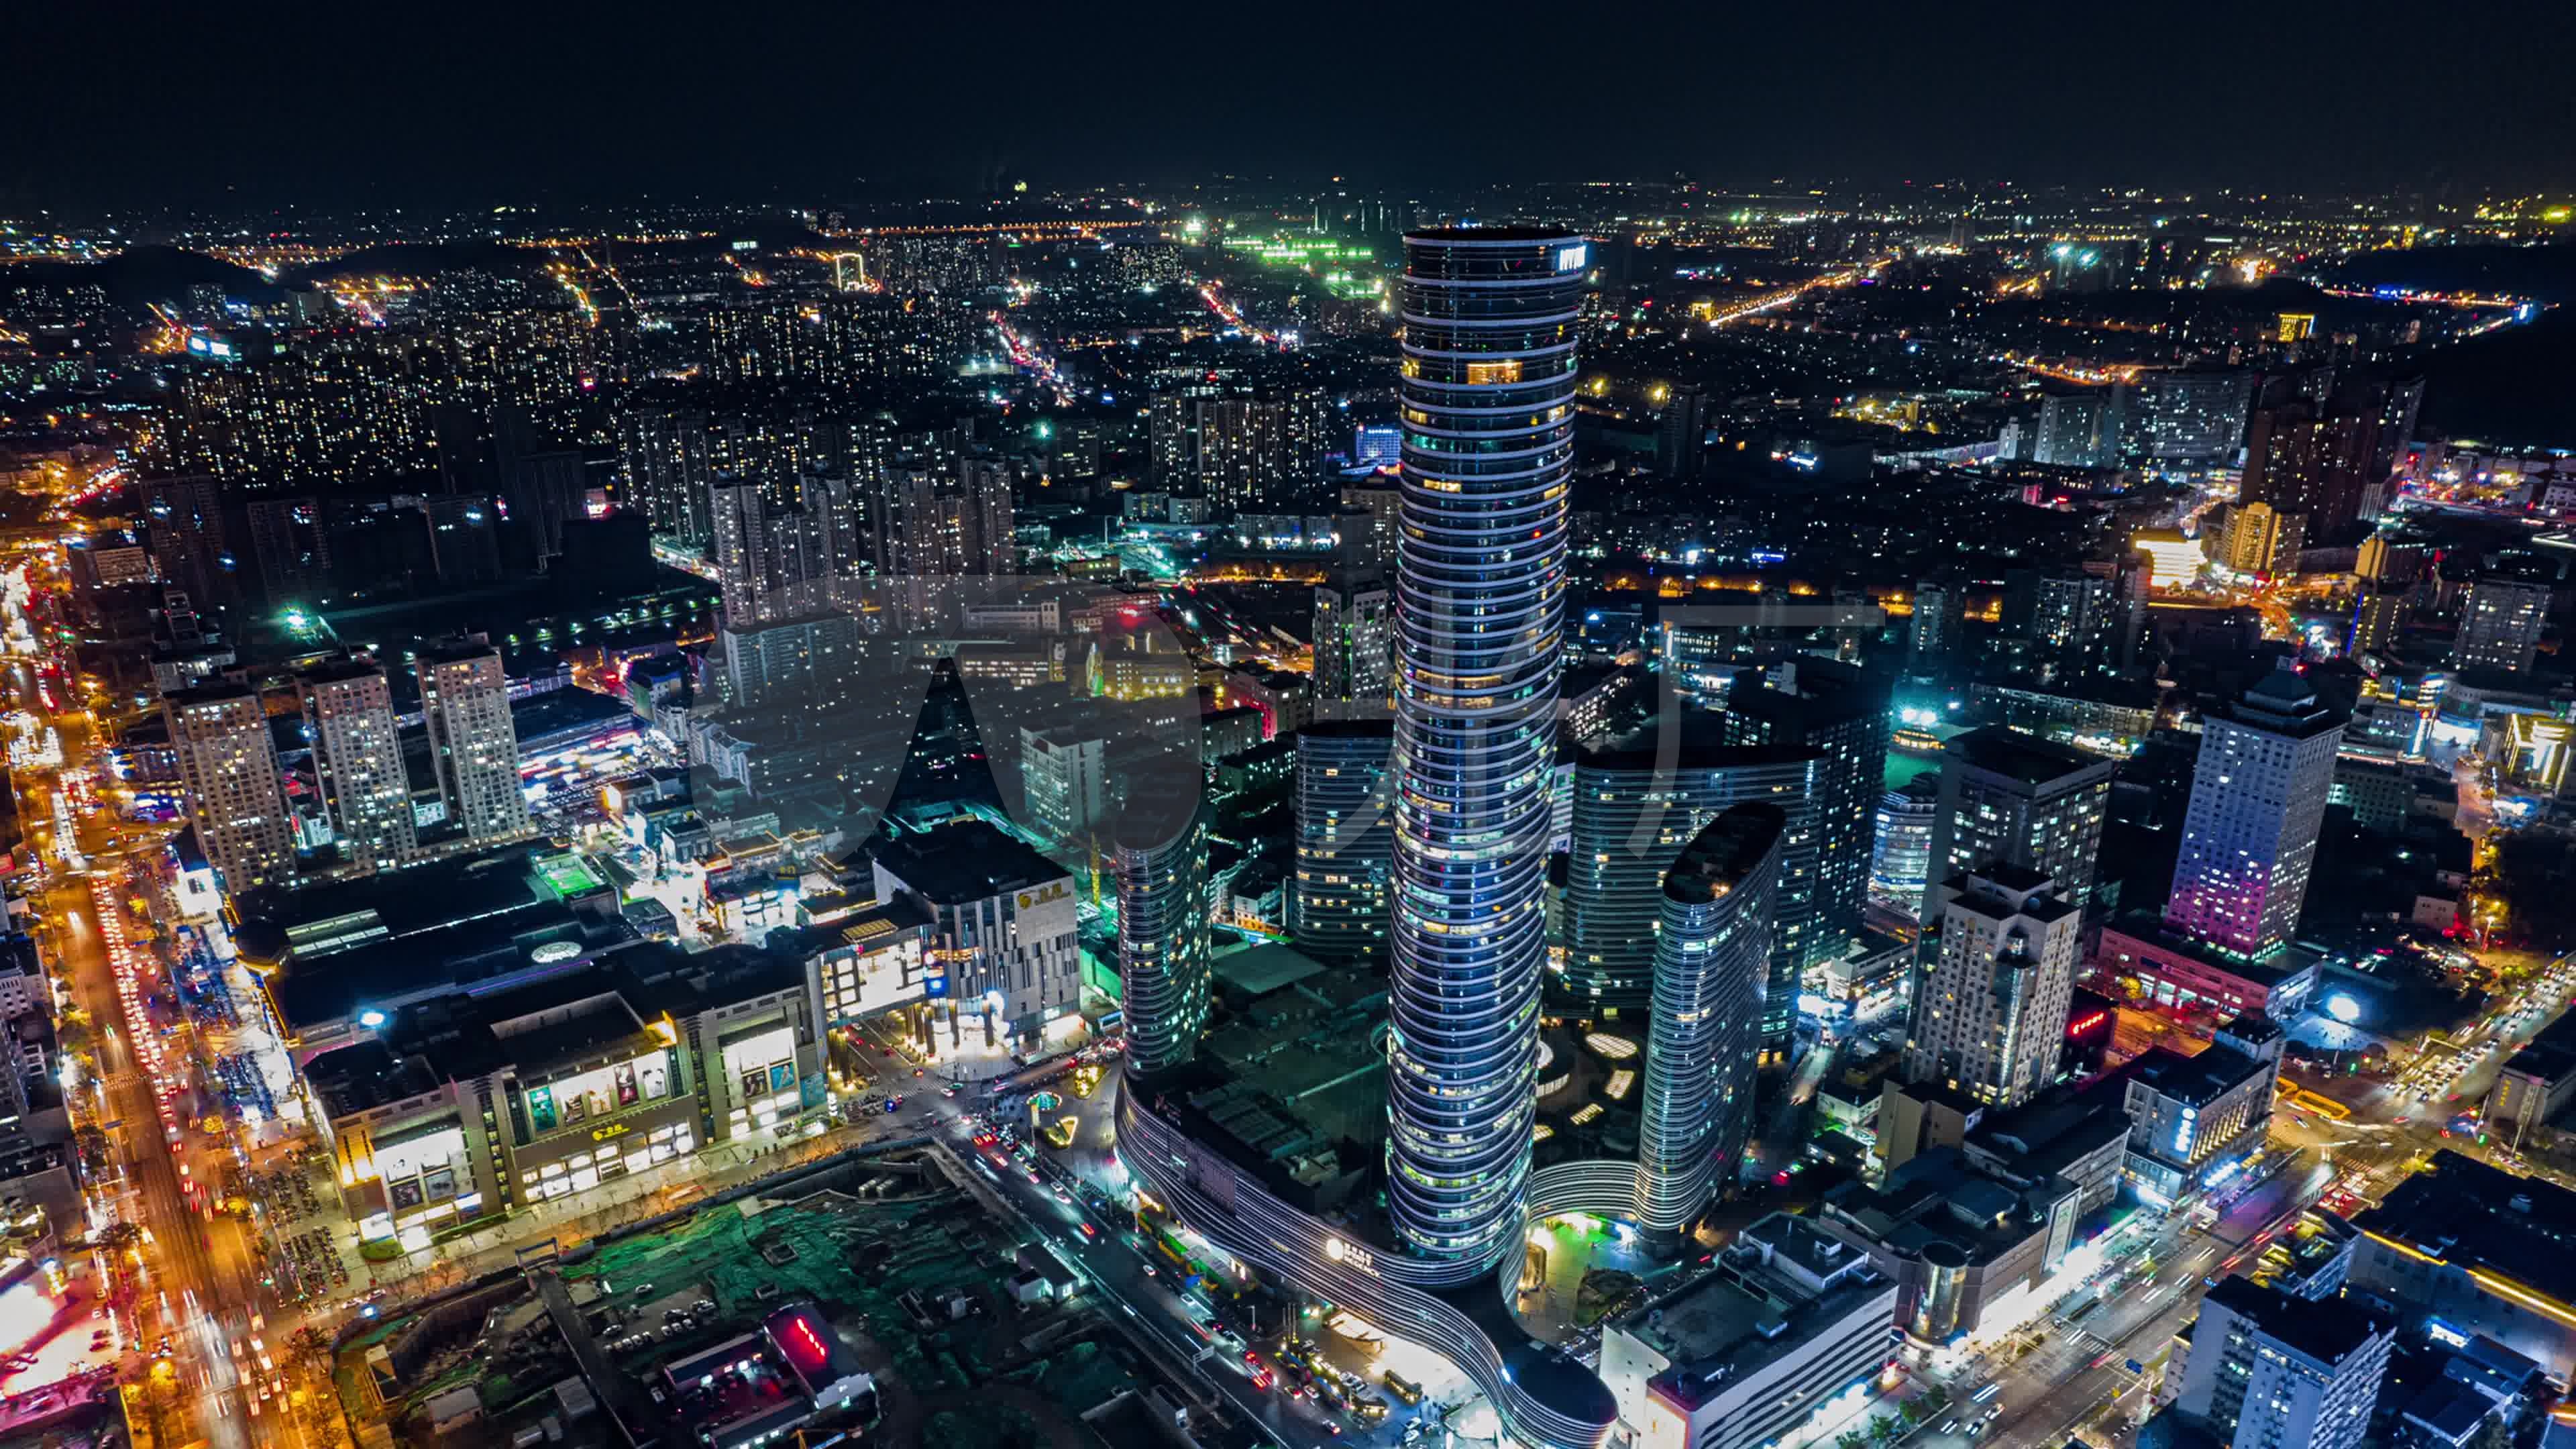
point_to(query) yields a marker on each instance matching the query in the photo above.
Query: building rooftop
(968, 860)
(2198, 1079)
(2027, 758)
(2325, 1330)
(2551, 1056)
(1940, 1197)
(1776, 1287)
(1729, 848)
(2471, 1215)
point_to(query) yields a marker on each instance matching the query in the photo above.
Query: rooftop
(968, 860)
(2551, 1056)
(1774, 1289)
(2470, 1215)
(1731, 847)
(2027, 758)
(2326, 1330)
(2198, 1079)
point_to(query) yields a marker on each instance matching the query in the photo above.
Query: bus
(1400, 1386)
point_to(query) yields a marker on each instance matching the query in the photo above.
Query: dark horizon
(125, 105)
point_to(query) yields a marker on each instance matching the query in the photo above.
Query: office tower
(1841, 712)
(2500, 623)
(2016, 798)
(2378, 618)
(1704, 1038)
(228, 767)
(2081, 430)
(1489, 374)
(664, 468)
(1990, 1009)
(465, 703)
(1634, 810)
(1900, 867)
(1681, 433)
(1354, 643)
(357, 756)
(1337, 906)
(1936, 631)
(1162, 853)
(1377, 445)
(2267, 1370)
(2258, 795)
(1064, 783)
(2195, 417)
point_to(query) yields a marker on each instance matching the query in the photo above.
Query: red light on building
(2083, 1024)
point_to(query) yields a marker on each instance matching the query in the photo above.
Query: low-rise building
(1789, 1318)
(1002, 927)
(2194, 1120)
(1958, 1242)
(477, 1102)
(2479, 1248)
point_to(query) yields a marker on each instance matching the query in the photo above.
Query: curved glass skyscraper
(1712, 957)
(1488, 390)
(1163, 926)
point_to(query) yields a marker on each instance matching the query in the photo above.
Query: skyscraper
(1990, 1011)
(2081, 429)
(773, 561)
(2195, 417)
(1937, 630)
(1900, 856)
(465, 703)
(2016, 798)
(1712, 958)
(1637, 809)
(229, 769)
(1841, 712)
(357, 755)
(1488, 387)
(1337, 906)
(2258, 796)
(1163, 924)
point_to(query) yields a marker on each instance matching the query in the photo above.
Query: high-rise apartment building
(465, 703)
(773, 561)
(228, 767)
(1681, 433)
(1936, 632)
(2016, 798)
(1338, 904)
(1488, 388)
(2081, 429)
(1064, 780)
(2270, 1370)
(2195, 416)
(1990, 1008)
(1635, 810)
(664, 468)
(2500, 623)
(1704, 1037)
(1162, 853)
(2258, 797)
(358, 760)
(1354, 647)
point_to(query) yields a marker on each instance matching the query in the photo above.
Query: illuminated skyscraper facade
(219, 732)
(357, 756)
(2258, 800)
(1488, 395)
(1163, 926)
(1712, 959)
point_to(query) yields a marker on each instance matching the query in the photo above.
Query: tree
(1882, 1428)
(312, 1347)
(1936, 1397)
(1851, 1439)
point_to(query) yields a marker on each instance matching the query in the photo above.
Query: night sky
(122, 104)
